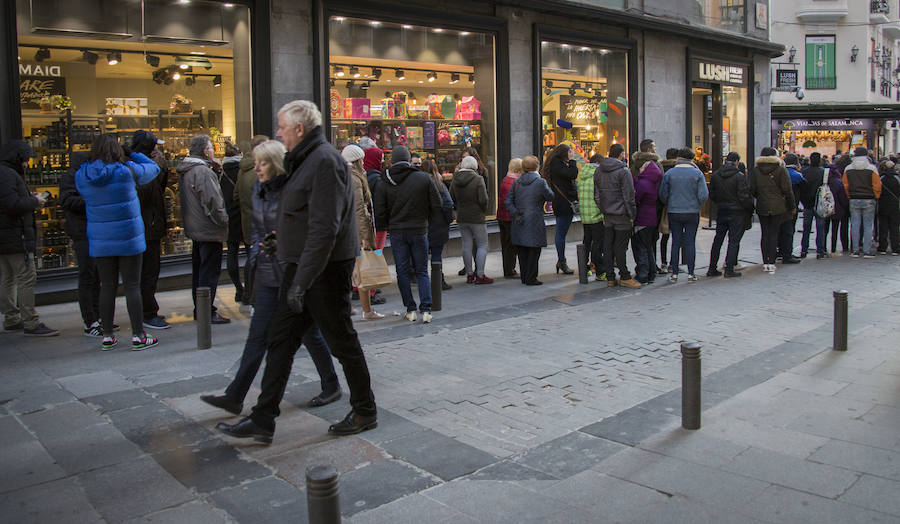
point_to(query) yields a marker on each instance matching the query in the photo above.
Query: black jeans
(528, 263)
(233, 264)
(593, 242)
(768, 242)
(207, 265)
(88, 283)
(507, 249)
(786, 236)
(642, 246)
(733, 226)
(889, 227)
(255, 349)
(150, 279)
(327, 304)
(664, 249)
(839, 226)
(615, 250)
(130, 268)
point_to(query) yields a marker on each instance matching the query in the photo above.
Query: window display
(427, 88)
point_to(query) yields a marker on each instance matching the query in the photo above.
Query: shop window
(734, 121)
(90, 73)
(727, 15)
(584, 98)
(431, 89)
(820, 62)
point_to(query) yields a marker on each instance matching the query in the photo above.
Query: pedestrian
(205, 219)
(889, 211)
(646, 153)
(863, 188)
(152, 197)
(243, 193)
(839, 222)
(365, 226)
(591, 219)
(560, 172)
(525, 203)
(683, 190)
(115, 230)
(646, 196)
(788, 226)
(770, 185)
(507, 248)
(373, 164)
(17, 243)
(730, 191)
(614, 196)
(468, 192)
(404, 203)
(664, 231)
(228, 179)
(317, 240)
(415, 160)
(483, 173)
(439, 225)
(269, 162)
(814, 175)
(72, 203)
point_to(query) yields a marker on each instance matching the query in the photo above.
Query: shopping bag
(371, 270)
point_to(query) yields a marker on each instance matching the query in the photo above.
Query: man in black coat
(814, 175)
(317, 240)
(17, 243)
(76, 227)
(730, 190)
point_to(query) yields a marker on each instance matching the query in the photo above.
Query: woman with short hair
(470, 195)
(525, 203)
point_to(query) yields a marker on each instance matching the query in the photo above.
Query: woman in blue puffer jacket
(115, 231)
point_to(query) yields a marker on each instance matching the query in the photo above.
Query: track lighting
(432, 76)
(354, 71)
(189, 81)
(339, 71)
(152, 60)
(399, 74)
(42, 54)
(454, 78)
(472, 77)
(217, 80)
(376, 73)
(89, 57)
(113, 58)
(176, 76)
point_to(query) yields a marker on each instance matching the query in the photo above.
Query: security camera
(799, 93)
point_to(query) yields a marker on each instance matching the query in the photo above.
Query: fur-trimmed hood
(769, 160)
(639, 158)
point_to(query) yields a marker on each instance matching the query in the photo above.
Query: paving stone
(25, 461)
(780, 440)
(38, 398)
(132, 489)
(508, 470)
(610, 499)
(119, 400)
(264, 500)
(631, 426)
(856, 457)
(294, 429)
(440, 455)
(568, 455)
(738, 377)
(379, 483)
(840, 427)
(681, 510)
(209, 466)
(777, 468)
(693, 446)
(874, 493)
(89, 448)
(63, 418)
(344, 454)
(156, 428)
(191, 386)
(781, 504)
(670, 403)
(194, 512)
(816, 385)
(498, 502)
(93, 384)
(58, 501)
(410, 510)
(390, 426)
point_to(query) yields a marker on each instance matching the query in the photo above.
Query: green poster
(820, 73)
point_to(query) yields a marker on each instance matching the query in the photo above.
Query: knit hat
(352, 153)
(791, 159)
(860, 151)
(373, 159)
(366, 142)
(400, 154)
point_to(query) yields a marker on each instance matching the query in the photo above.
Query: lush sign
(718, 72)
(787, 78)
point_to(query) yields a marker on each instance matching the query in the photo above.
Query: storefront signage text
(720, 73)
(40, 70)
(786, 78)
(580, 110)
(836, 124)
(33, 88)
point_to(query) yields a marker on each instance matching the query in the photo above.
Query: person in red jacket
(507, 249)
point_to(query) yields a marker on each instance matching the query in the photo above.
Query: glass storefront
(584, 97)
(431, 89)
(176, 68)
(825, 135)
(719, 108)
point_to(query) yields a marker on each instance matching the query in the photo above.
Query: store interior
(826, 142)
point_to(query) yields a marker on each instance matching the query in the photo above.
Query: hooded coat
(115, 227)
(561, 175)
(244, 193)
(468, 192)
(439, 225)
(861, 179)
(638, 159)
(202, 205)
(836, 185)
(228, 181)
(729, 189)
(614, 189)
(362, 202)
(646, 193)
(152, 197)
(525, 203)
(683, 188)
(72, 202)
(17, 206)
(405, 200)
(770, 184)
(890, 191)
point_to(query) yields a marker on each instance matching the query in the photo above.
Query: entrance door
(707, 126)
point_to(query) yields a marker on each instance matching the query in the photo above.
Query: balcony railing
(827, 82)
(879, 7)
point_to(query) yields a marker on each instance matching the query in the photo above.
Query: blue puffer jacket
(114, 224)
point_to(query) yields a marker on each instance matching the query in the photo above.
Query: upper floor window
(820, 71)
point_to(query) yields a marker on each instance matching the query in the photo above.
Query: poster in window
(762, 15)
(33, 88)
(820, 71)
(127, 106)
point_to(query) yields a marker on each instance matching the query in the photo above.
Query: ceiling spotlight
(168, 79)
(454, 78)
(113, 58)
(399, 74)
(572, 91)
(42, 54)
(152, 60)
(183, 66)
(176, 76)
(547, 91)
(217, 80)
(411, 96)
(189, 81)
(588, 88)
(472, 77)
(354, 71)
(432, 76)
(159, 76)
(366, 85)
(376, 73)
(338, 71)
(548, 83)
(89, 57)
(349, 84)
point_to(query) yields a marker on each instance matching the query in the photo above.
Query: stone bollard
(437, 279)
(690, 385)
(203, 308)
(582, 256)
(840, 320)
(322, 495)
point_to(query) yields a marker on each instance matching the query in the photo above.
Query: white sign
(721, 73)
(39, 70)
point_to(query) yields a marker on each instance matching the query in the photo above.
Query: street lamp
(792, 52)
(854, 52)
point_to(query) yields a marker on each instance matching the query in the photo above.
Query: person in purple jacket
(646, 191)
(839, 222)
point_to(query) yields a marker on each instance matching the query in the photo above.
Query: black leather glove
(295, 298)
(269, 244)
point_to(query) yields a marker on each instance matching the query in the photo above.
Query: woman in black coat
(525, 203)
(560, 172)
(439, 226)
(227, 181)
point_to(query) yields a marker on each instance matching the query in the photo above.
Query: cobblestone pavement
(551, 404)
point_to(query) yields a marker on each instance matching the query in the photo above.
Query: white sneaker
(411, 316)
(426, 317)
(372, 315)
(692, 278)
(673, 278)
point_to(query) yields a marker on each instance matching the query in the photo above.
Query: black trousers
(130, 268)
(786, 231)
(733, 226)
(88, 283)
(642, 244)
(593, 242)
(889, 227)
(768, 243)
(615, 252)
(507, 249)
(327, 303)
(528, 263)
(839, 226)
(233, 264)
(207, 265)
(150, 279)
(664, 249)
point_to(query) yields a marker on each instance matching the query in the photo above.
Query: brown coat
(362, 199)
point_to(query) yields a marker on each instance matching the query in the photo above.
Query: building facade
(507, 78)
(844, 55)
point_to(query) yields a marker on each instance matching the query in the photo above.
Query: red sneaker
(471, 278)
(484, 280)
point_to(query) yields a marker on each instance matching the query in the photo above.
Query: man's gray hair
(198, 146)
(302, 112)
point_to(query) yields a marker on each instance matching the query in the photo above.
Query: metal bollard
(437, 279)
(840, 320)
(322, 492)
(203, 308)
(690, 385)
(582, 253)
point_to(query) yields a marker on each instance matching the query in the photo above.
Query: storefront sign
(718, 72)
(40, 70)
(837, 124)
(580, 109)
(33, 88)
(786, 78)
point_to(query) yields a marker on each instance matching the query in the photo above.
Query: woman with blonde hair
(507, 249)
(525, 203)
(362, 199)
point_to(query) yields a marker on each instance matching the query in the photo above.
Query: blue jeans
(562, 228)
(808, 216)
(437, 253)
(412, 247)
(862, 216)
(684, 235)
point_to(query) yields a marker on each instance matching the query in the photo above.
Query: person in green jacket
(591, 217)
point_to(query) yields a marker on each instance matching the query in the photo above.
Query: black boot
(444, 285)
(562, 266)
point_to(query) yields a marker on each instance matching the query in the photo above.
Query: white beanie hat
(352, 153)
